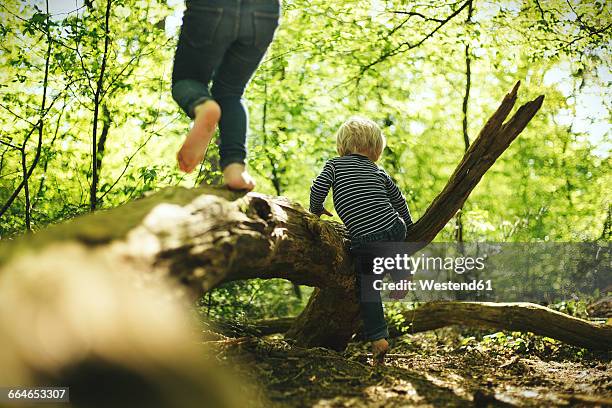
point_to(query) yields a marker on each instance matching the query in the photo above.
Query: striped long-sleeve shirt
(365, 197)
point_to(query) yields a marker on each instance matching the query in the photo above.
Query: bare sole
(196, 143)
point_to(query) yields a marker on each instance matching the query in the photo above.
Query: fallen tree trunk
(524, 317)
(194, 239)
(70, 320)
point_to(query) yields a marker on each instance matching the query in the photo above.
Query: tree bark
(519, 316)
(98, 95)
(72, 316)
(195, 239)
(101, 145)
(525, 317)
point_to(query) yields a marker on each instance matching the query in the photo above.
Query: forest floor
(445, 368)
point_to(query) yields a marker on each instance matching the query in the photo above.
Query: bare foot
(192, 152)
(379, 349)
(237, 178)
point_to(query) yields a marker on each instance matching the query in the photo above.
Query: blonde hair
(360, 135)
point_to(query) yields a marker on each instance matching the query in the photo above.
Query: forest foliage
(88, 121)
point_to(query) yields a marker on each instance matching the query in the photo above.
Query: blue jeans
(221, 43)
(372, 314)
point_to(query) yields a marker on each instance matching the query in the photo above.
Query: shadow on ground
(437, 369)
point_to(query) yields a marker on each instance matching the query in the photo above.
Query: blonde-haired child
(369, 204)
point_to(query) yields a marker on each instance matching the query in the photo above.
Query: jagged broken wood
(191, 240)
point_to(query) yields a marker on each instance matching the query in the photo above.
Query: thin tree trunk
(464, 109)
(606, 230)
(40, 126)
(273, 165)
(26, 189)
(101, 146)
(264, 116)
(43, 178)
(21, 185)
(97, 100)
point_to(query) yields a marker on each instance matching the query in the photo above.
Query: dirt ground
(445, 368)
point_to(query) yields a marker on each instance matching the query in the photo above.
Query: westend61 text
(430, 284)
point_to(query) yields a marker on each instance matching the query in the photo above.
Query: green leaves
(38, 22)
(550, 183)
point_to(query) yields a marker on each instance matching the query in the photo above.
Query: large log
(191, 240)
(524, 317)
(71, 317)
(519, 316)
(200, 238)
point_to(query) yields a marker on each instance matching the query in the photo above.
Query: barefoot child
(369, 204)
(221, 42)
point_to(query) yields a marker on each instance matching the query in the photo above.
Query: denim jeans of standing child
(372, 314)
(221, 43)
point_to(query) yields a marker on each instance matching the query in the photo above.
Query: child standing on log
(221, 42)
(369, 204)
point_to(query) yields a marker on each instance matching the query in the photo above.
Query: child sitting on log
(221, 43)
(369, 204)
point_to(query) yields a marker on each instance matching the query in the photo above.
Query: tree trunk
(71, 316)
(525, 317)
(201, 237)
(520, 316)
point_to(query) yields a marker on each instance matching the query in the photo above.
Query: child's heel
(379, 351)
